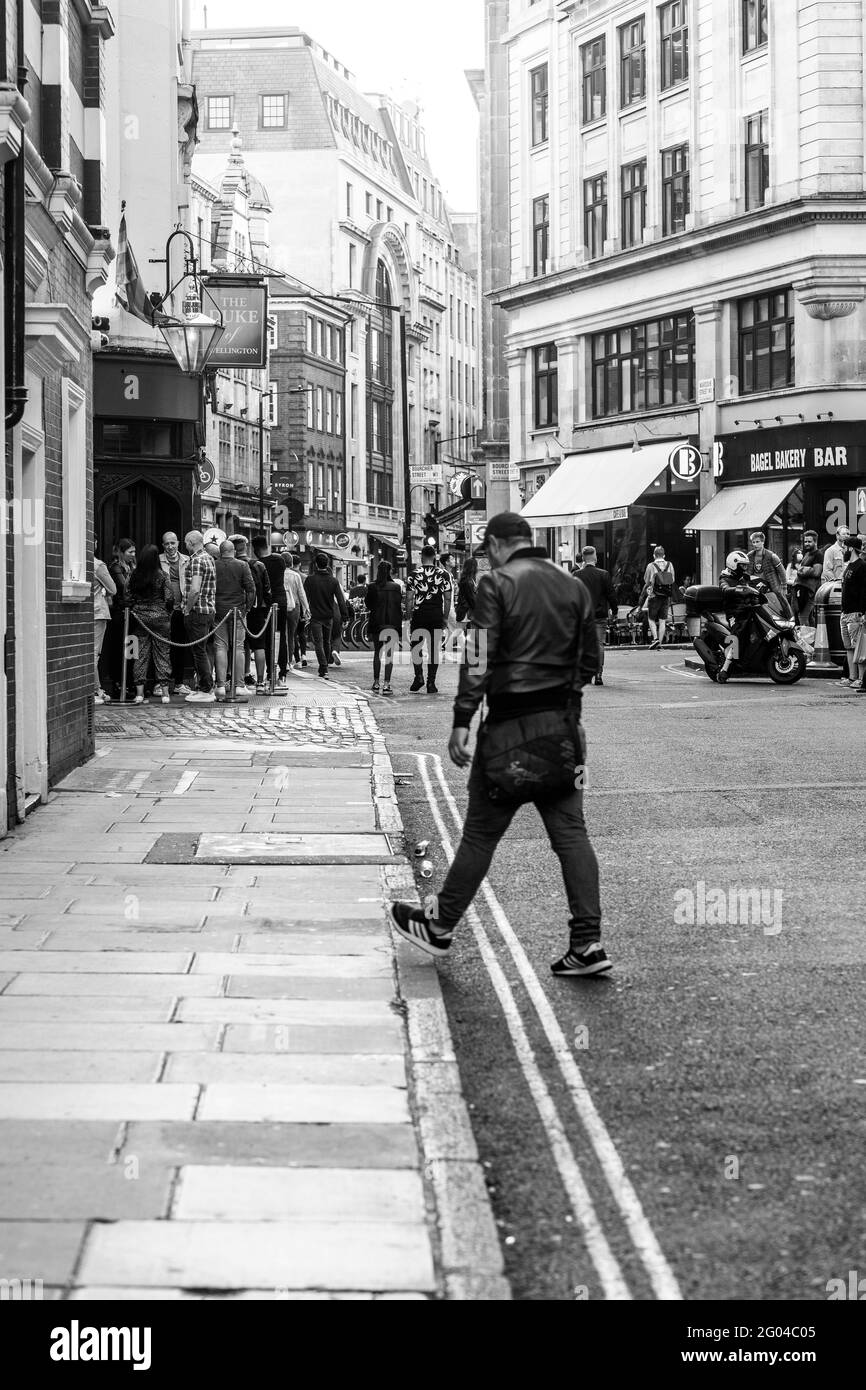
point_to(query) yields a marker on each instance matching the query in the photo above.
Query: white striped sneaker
(414, 926)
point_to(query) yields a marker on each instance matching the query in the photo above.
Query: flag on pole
(129, 290)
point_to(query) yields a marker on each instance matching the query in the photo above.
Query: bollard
(123, 662)
(822, 662)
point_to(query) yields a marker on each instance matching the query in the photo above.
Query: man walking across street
(199, 607)
(322, 592)
(174, 566)
(600, 589)
(234, 590)
(540, 637)
(428, 591)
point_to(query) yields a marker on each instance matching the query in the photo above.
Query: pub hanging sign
(243, 302)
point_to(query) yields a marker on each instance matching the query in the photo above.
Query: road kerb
(468, 1252)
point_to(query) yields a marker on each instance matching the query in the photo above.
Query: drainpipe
(13, 256)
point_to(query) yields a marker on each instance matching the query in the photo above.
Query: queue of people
(181, 607)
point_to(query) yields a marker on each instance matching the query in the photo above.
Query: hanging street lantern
(192, 338)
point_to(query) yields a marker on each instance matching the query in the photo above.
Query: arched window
(383, 284)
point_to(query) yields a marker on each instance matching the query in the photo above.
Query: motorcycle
(767, 641)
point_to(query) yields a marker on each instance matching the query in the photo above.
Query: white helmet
(736, 558)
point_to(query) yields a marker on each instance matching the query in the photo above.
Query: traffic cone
(822, 662)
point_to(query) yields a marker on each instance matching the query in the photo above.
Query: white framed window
(338, 413)
(320, 408)
(273, 111)
(310, 411)
(311, 484)
(74, 463)
(219, 113)
(329, 412)
(273, 418)
(273, 332)
(353, 264)
(311, 334)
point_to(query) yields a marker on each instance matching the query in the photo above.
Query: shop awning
(737, 508)
(587, 489)
(390, 541)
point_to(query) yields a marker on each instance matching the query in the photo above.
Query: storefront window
(766, 342)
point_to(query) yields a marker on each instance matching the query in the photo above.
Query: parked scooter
(765, 642)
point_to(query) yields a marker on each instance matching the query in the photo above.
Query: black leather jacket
(532, 632)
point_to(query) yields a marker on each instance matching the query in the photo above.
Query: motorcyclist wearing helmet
(735, 575)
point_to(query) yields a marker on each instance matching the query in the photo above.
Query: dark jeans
(432, 637)
(301, 642)
(320, 633)
(383, 645)
(178, 654)
(282, 657)
(292, 619)
(336, 635)
(197, 624)
(601, 633)
(485, 824)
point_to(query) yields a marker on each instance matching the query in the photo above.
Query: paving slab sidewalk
(228, 1079)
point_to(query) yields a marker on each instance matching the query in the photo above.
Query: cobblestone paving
(335, 726)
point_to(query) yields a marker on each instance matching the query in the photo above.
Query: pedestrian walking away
(151, 602)
(658, 587)
(199, 607)
(297, 617)
(428, 591)
(385, 605)
(258, 627)
(276, 568)
(535, 629)
(235, 591)
(601, 594)
(323, 592)
(174, 566)
(467, 589)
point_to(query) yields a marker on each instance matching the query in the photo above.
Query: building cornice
(672, 250)
(53, 335)
(14, 115)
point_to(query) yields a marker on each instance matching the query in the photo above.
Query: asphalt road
(722, 1062)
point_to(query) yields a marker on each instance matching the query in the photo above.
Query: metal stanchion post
(123, 658)
(231, 673)
(274, 646)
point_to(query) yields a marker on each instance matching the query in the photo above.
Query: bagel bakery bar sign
(804, 451)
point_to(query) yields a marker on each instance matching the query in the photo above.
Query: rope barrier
(233, 614)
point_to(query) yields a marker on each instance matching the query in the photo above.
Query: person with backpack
(658, 587)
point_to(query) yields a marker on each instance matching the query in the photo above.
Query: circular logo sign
(342, 542)
(294, 539)
(214, 536)
(685, 462)
(206, 474)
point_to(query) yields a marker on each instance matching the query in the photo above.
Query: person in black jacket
(852, 620)
(535, 629)
(385, 605)
(323, 592)
(600, 588)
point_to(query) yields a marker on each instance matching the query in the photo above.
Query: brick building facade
(62, 257)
